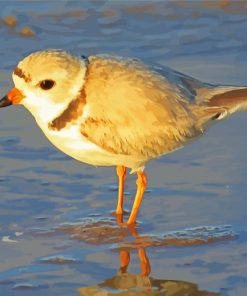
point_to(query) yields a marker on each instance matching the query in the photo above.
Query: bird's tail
(220, 102)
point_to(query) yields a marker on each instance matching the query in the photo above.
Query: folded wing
(134, 110)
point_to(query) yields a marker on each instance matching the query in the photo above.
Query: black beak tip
(4, 102)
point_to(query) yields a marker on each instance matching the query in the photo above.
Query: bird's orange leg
(121, 172)
(141, 183)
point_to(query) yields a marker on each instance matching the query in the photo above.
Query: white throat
(45, 112)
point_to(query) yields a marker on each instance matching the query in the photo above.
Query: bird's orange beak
(13, 97)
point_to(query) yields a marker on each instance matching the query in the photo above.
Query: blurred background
(58, 234)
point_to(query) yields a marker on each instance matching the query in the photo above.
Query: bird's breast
(70, 141)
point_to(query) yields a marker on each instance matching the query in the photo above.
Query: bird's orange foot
(121, 222)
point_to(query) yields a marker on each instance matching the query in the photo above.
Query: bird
(106, 110)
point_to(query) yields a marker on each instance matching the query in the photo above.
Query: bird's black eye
(47, 84)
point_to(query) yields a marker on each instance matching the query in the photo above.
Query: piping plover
(110, 111)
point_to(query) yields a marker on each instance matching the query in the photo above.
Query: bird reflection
(141, 284)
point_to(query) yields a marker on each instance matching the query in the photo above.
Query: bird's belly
(72, 143)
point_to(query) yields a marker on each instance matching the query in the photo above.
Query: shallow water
(58, 232)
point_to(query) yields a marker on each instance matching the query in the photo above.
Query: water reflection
(133, 284)
(126, 283)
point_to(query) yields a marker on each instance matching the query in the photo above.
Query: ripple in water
(107, 232)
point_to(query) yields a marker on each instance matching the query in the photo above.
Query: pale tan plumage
(108, 110)
(134, 110)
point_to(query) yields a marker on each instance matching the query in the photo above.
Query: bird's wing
(211, 102)
(134, 110)
(188, 86)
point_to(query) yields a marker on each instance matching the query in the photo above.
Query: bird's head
(46, 82)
